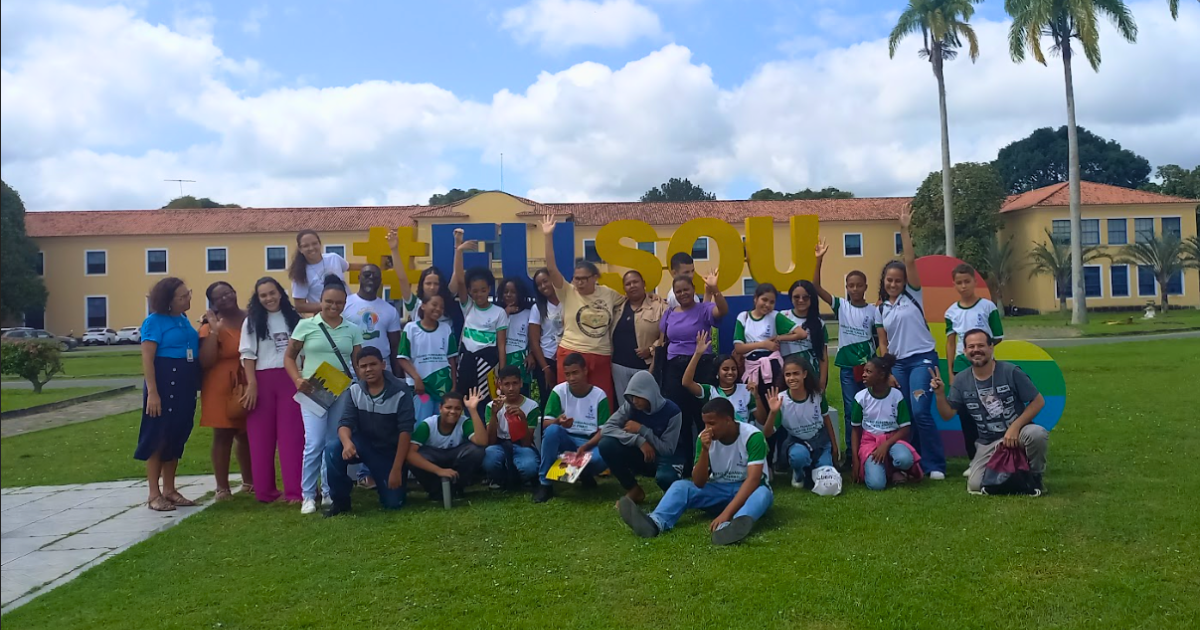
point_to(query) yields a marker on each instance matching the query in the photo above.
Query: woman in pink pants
(274, 418)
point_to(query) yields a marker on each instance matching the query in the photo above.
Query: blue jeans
(497, 467)
(378, 460)
(850, 388)
(427, 408)
(712, 498)
(556, 440)
(875, 475)
(913, 375)
(801, 458)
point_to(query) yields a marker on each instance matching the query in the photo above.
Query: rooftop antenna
(501, 172)
(181, 182)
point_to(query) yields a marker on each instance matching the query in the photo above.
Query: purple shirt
(681, 328)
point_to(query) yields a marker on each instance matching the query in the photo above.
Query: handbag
(237, 389)
(1007, 472)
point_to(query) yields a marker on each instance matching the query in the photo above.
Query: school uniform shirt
(480, 325)
(729, 463)
(315, 274)
(856, 329)
(904, 321)
(880, 415)
(430, 352)
(803, 419)
(427, 433)
(317, 349)
(983, 315)
(377, 318)
(741, 398)
(803, 346)
(588, 319)
(268, 353)
(175, 336)
(516, 343)
(588, 411)
(533, 416)
(993, 403)
(410, 310)
(552, 327)
(751, 330)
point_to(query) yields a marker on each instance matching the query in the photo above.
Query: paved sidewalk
(50, 534)
(82, 412)
(62, 383)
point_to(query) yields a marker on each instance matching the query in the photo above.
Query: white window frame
(42, 263)
(1068, 222)
(86, 323)
(1101, 270)
(168, 261)
(1099, 231)
(862, 245)
(267, 257)
(707, 249)
(1129, 280)
(326, 250)
(895, 241)
(1182, 283)
(1108, 232)
(583, 251)
(85, 262)
(1137, 271)
(743, 285)
(1162, 228)
(1156, 230)
(207, 269)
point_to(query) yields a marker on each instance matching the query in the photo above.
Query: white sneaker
(326, 501)
(967, 472)
(308, 507)
(937, 475)
(797, 483)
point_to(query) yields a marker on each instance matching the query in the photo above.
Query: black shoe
(735, 531)
(543, 494)
(335, 509)
(636, 519)
(590, 483)
(1038, 488)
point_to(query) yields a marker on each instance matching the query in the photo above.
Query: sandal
(247, 488)
(179, 500)
(160, 504)
(222, 495)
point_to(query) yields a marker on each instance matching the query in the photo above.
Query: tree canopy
(188, 202)
(454, 195)
(1176, 181)
(978, 195)
(676, 189)
(767, 194)
(1041, 159)
(22, 289)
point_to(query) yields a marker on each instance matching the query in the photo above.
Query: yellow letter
(760, 250)
(612, 251)
(728, 245)
(376, 247)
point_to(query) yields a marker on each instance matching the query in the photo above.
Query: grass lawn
(13, 399)
(101, 364)
(1115, 544)
(1107, 323)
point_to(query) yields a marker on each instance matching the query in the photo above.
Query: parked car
(129, 334)
(64, 343)
(99, 337)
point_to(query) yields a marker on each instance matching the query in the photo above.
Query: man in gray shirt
(1002, 402)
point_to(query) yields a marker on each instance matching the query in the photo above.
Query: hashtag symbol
(375, 248)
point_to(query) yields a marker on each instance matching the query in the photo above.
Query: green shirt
(317, 349)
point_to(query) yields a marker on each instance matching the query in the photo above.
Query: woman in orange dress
(219, 407)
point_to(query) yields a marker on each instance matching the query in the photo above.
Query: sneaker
(1038, 488)
(335, 510)
(937, 475)
(326, 501)
(636, 519)
(308, 507)
(797, 483)
(733, 531)
(543, 494)
(494, 485)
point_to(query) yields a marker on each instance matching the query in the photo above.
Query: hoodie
(660, 425)
(380, 420)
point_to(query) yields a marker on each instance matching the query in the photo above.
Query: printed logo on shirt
(368, 321)
(281, 341)
(594, 319)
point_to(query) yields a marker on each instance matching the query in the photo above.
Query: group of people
(469, 378)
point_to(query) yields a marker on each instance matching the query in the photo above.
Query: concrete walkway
(50, 534)
(83, 412)
(62, 383)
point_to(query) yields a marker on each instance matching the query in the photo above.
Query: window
(340, 250)
(217, 259)
(1061, 229)
(39, 263)
(1175, 282)
(1091, 231)
(492, 248)
(1116, 232)
(589, 251)
(1143, 230)
(156, 261)
(647, 247)
(748, 286)
(1118, 276)
(899, 245)
(1172, 226)
(277, 258)
(1147, 285)
(387, 294)
(97, 311)
(97, 262)
(1092, 284)
(852, 244)
(700, 249)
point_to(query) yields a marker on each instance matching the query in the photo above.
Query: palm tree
(997, 268)
(1174, 5)
(1166, 256)
(1062, 21)
(943, 27)
(1053, 258)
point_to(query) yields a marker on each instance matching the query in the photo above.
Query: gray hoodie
(660, 425)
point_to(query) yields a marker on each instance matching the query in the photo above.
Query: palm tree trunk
(1078, 297)
(1162, 289)
(947, 202)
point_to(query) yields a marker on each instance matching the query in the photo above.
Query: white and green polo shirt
(803, 419)
(428, 433)
(741, 397)
(430, 352)
(751, 330)
(480, 325)
(728, 463)
(856, 327)
(533, 415)
(880, 415)
(588, 411)
(983, 315)
(803, 346)
(516, 341)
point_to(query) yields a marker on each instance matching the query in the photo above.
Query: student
(449, 445)
(572, 419)
(220, 338)
(757, 335)
(858, 324)
(310, 266)
(431, 282)
(376, 317)
(729, 479)
(545, 326)
(970, 312)
(375, 429)
(514, 297)
(171, 366)
(802, 413)
(511, 458)
(743, 396)
(274, 420)
(880, 421)
(636, 333)
(324, 338)
(485, 325)
(814, 345)
(641, 437)
(428, 354)
(682, 265)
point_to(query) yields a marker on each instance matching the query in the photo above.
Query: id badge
(190, 357)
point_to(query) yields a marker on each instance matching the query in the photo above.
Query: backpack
(1007, 472)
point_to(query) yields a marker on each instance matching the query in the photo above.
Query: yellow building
(99, 265)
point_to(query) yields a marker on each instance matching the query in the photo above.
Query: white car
(129, 334)
(99, 337)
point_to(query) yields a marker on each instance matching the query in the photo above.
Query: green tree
(22, 289)
(978, 196)
(1173, 5)
(454, 195)
(943, 27)
(34, 361)
(997, 268)
(1176, 181)
(189, 202)
(766, 194)
(1043, 159)
(1167, 256)
(678, 190)
(1064, 21)
(1053, 258)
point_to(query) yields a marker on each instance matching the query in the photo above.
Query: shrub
(34, 361)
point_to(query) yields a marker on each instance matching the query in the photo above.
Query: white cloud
(252, 25)
(559, 25)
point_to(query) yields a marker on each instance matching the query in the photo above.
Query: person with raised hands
(745, 397)
(801, 412)
(450, 445)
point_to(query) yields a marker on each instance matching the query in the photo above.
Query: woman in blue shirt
(171, 364)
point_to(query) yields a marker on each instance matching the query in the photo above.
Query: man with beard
(1001, 401)
(376, 317)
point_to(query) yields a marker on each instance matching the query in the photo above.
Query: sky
(349, 102)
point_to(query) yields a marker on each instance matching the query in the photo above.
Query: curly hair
(163, 293)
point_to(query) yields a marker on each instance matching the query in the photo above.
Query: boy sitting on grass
(449, 445)
(574, 413)
(510, 458)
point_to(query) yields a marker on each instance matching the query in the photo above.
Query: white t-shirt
(803, 419)
(742, 399)
(480, 325)
(552, 327)
(879, 415)
(426, 433)
(268, 353)
(904, 322)
(410, 310)
(330, 264)
(529, 407)
(728, 463)
(588, 412)
(751, 330)
(981, 315)
(376, 318)
(517, 333)
(430, 352)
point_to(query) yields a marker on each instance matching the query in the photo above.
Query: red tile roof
(1090, 194)
(214, 220)
(670, 213)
